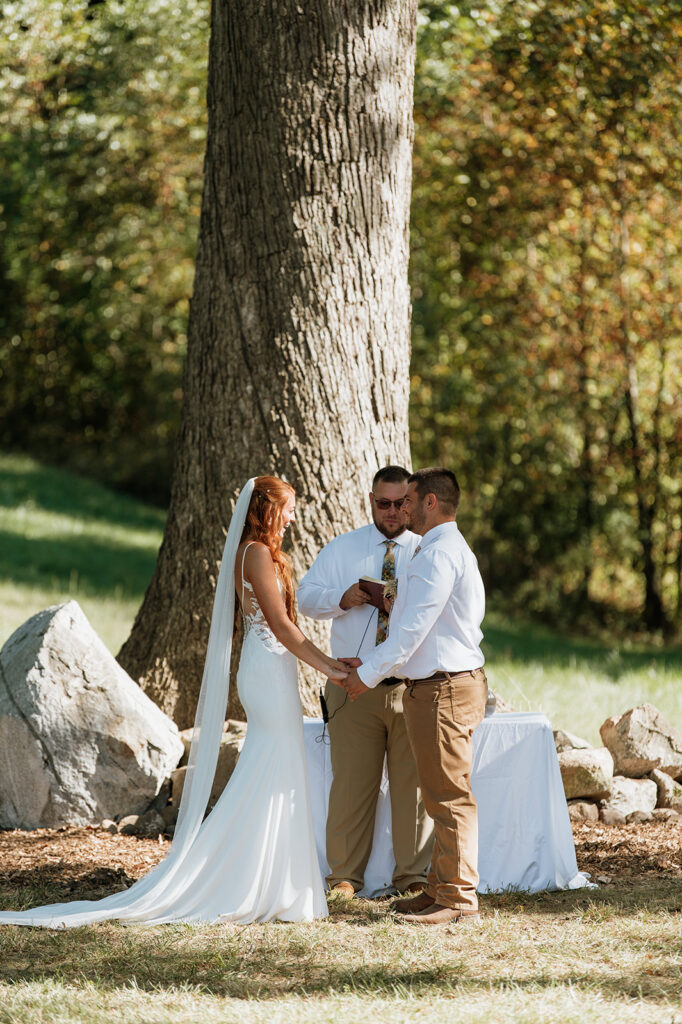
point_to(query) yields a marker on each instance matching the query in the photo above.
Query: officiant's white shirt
(340, 564)
(436, 620)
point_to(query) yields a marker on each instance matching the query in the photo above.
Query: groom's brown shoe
(437, 914)
(343, 889)
(412, 905)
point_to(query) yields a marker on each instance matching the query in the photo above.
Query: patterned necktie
(387, 573)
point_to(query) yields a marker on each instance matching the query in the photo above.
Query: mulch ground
(93, 862)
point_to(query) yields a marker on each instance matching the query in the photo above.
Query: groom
(433, 644)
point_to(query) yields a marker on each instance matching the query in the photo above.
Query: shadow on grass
(24, 483)
(268, 962)
(531, 643)
(25, 888)
(75, 565)
(71, 563)
(618, 898)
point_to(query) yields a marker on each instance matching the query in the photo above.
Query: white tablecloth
(525, 838)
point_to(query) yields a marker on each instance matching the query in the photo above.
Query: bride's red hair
(264, 522)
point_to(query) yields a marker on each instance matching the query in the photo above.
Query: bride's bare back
(260, 572)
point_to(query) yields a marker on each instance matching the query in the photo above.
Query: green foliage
(546, 272)
(102, 129)
(546, 296)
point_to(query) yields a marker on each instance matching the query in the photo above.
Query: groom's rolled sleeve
(429, 580)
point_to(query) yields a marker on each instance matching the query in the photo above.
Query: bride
(253, 858)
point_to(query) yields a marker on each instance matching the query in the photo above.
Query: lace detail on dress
(254, 620)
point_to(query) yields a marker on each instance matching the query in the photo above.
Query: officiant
(362, 732)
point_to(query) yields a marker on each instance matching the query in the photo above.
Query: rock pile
(634, 777)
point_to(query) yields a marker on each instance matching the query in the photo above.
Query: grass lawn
(614, 954)
(62, 537)
(585, 956)
(579, 683)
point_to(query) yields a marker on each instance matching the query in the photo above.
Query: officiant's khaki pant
(441, 718)
(361, 734)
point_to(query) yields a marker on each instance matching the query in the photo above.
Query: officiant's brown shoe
(343, 889)
(436, 914)
(412, 889)
(413, 905)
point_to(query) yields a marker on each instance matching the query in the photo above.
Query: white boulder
(630, 795)
(641, 740)
(79, 740)
(669, 791)
(564, 740)
(586, 773)
(583, 811)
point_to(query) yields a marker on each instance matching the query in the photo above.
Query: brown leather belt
(444, 677)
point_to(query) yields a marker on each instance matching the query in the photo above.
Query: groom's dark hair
(390, 475)
(439, 481)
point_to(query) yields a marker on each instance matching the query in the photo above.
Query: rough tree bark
(298, 352)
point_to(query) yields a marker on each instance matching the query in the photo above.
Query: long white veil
(152, 896)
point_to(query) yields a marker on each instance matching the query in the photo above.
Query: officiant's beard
(390, 532)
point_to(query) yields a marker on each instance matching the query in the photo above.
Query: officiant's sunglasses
(384, 503)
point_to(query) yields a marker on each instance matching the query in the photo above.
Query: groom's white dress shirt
(435, 623)
(340, 564)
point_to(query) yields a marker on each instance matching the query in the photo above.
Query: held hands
(354, 598)
(337, 671)
(353, 684)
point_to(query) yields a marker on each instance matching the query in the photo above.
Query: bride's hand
(336, 671)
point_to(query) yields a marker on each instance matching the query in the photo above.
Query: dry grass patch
(588, 955)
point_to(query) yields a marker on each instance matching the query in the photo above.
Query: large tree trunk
(298, 353)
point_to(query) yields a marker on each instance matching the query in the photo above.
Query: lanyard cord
(326, 717)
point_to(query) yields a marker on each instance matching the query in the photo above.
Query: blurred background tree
(102, 129)
(546, 273)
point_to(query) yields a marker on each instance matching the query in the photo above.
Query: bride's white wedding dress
(253, 858)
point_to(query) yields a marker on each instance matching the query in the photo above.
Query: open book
(378, 590)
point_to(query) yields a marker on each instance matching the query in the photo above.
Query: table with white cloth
(525, 839)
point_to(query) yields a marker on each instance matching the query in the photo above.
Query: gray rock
(109, 826)
(79, 740)
(586, 773)
(162, 797)
(611, 817)
(641, 740)
(231, 725)
(629, 795)
(150, 823)
(128, 825)
(169, 814)
(564, 741)
(230, 748)
(583, 810)
(186, 737)
(637, 817)
(669, 791)
(664, 814)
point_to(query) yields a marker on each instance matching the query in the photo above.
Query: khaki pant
(441, 718)
(361, 734)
